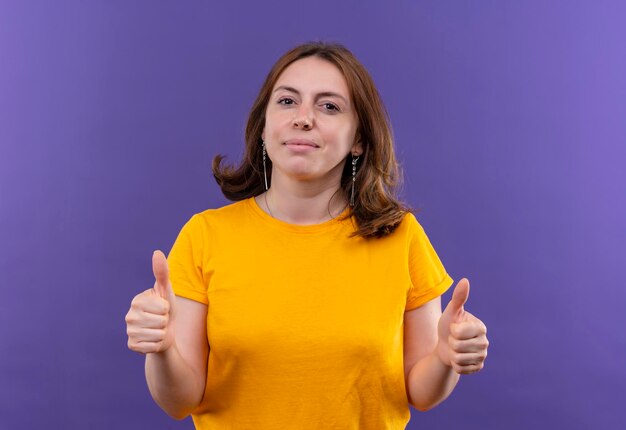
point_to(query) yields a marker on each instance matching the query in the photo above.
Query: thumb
(459, 297)
(161, 274)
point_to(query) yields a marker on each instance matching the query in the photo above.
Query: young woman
(313, 301)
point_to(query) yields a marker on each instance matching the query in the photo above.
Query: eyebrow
(318, 95)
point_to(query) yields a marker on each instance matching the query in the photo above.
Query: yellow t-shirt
(305, 325)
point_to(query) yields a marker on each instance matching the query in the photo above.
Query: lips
(301, 142)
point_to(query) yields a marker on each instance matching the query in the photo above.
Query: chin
(301, 176)
(298, 170)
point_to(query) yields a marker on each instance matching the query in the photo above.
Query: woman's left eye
(331, 106)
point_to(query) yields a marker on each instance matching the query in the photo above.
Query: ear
(263, 134)
(357, 148)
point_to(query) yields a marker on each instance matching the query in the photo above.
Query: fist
(150, 319)
(462, 337)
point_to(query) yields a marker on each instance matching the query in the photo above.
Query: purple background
(510, 121)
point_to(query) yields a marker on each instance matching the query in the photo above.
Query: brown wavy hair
(377, 210)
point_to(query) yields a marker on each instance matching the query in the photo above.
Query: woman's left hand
(462, 337)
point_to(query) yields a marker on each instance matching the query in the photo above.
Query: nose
(303, 120)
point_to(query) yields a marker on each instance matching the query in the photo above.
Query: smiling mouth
(300, 143)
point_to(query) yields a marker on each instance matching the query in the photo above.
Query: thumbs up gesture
(150, 320)
(462, 337)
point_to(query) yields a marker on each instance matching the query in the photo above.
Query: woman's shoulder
(409, 228)
(223, 213)
(408, 224)
(214, 221)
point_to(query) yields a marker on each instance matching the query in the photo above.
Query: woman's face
(310, 123)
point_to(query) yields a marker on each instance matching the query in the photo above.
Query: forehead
(314, 74)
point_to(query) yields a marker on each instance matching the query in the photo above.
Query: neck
(302, 203)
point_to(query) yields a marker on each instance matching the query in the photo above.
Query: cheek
(272, 127)
(345, 136)
(345, 130)
(268, 131)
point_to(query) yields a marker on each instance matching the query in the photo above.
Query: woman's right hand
(150, 320)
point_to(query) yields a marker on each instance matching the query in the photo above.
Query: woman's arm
(440, 346)
(171, 331)
(176, 377)
(428, 381)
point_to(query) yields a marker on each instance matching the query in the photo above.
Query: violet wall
(510, 121)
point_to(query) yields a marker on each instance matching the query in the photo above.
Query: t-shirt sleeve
(186, 259)
(429, 278)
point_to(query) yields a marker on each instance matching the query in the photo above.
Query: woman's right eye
(285, 101)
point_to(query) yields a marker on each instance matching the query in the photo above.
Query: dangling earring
(264, 169)
(354, 160)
